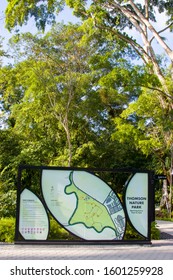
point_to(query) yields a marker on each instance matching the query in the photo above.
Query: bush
(163, 215)
(7, 229)
(57, 232)
(8, 204)
(155, 233)
(131, 234)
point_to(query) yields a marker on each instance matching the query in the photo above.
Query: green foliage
(155, 233)
(8, 204)
(62, 111)
(43, 12)
(55, 90)
(57, 232)
(19, 12)
(162, 214)
(150, 126)
(9, 151)
(131, 234)
(7, 229)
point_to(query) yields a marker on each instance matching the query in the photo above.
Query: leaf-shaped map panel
(33, 219)
(136, 200)
(83, 204)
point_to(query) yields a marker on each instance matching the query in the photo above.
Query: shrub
(7, 229)
(8, 204)
(57, 232)
(155, 233)
(163, 215)
(132, 234)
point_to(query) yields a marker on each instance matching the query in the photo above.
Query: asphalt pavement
(158, 250)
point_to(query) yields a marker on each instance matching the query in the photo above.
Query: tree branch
(164, 29)
(159, 90)
(152, 29)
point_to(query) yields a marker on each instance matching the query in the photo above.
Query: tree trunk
(164, 203)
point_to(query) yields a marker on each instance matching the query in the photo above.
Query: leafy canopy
(18, 12)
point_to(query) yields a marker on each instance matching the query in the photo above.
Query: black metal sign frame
(21, 231)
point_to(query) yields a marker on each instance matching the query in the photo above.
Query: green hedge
(155, 232)
(57, 232)
(132, 234)
(8, 204)
(7, 229)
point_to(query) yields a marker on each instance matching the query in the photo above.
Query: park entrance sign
(83, 205)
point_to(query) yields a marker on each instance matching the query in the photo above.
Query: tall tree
(121, 17)
(114, 16)
(54, 78)
(116, 19)
(64, 94)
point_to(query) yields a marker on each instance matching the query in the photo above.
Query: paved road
(158, 250)
(165, 227)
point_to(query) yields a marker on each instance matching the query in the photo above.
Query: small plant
(131, 234)
(57, 232)
(8, 204)
(7, 229)
(163, 215)
(155, 233)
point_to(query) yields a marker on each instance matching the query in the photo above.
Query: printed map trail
(88, 211)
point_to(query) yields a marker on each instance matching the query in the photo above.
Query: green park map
(94, 214)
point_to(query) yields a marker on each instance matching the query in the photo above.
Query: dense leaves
(43, 12)
(60, 99)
